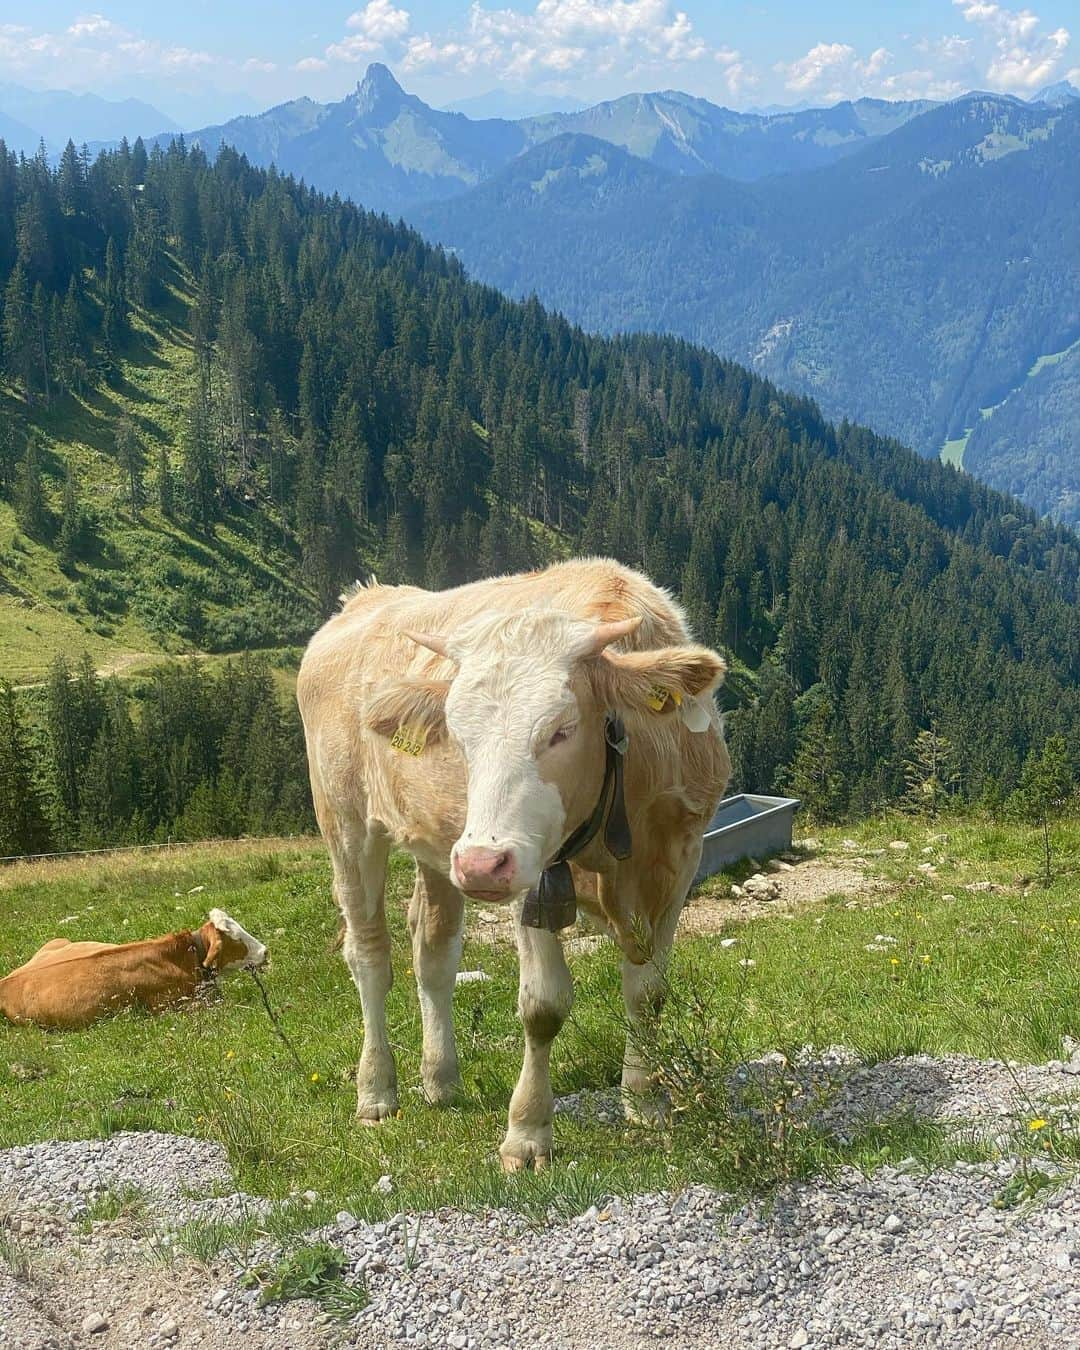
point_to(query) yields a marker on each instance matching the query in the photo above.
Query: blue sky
(226, 56)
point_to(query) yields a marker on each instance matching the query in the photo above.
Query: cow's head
(228, 946)
(525, 704)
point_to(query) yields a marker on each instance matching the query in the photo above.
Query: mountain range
(30, 116)
(390, 151)
(910, 265)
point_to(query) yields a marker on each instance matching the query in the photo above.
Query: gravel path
(898, 1259)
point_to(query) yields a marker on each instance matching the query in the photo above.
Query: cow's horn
(432, 641)
(606, 633)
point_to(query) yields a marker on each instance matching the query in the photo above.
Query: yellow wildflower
(314, 1077)
(1034, 1125)
(893, 961)
(230, 1054)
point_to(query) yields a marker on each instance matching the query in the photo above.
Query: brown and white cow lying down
(67, 985)
(468, 727)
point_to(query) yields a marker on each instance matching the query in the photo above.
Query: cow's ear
(657, 681)
(409, 706)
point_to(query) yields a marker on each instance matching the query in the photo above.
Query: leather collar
(199, 946)
(552, 903)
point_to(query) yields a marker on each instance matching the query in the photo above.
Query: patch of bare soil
(795, 882)
(101, 1289)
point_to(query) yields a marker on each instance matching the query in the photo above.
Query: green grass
(992, 972)
(121, 602)
(312, 1270)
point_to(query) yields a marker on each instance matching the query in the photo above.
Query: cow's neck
(201, 948)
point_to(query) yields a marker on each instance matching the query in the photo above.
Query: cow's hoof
(375, 1110)
(651, 1111)
(441, 1087)
(519, 1153)
(442, 1092)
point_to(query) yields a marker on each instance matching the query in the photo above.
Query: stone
(798, 1339)
(94, 1323)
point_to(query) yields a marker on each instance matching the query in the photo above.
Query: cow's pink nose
(485, 869)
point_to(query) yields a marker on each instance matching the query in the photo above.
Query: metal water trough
(746, 826)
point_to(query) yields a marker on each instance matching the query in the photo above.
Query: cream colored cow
(468, 727)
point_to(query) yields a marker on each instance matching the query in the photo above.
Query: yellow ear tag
(658, 697)
(409, 740)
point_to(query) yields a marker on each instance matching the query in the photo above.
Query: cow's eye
(563, 734)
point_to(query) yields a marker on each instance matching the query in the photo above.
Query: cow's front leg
(644, 981)
(545, 997)
(359, 886)
(436, 916)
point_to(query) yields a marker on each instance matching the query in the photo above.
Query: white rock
(383, 1186)
(472, 977)
(93, 1323)
(900, 845)
(728, 942)
(798, 1339)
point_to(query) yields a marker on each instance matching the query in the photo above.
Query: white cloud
(1025, 57)
(380, 20)
(97, 48)
(92, 25)
(312, 63)
(833, 70)
(566, 38)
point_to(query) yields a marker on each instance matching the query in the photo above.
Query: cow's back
(68, 985)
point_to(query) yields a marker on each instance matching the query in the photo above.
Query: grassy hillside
(968, 957)
(147, 585)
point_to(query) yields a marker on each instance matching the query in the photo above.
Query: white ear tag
(695, 715)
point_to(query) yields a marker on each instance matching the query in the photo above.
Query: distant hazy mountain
(381, 146)
(17, 136)
(511, 106)
(56, 115)
(690, 135)
(1058, 95)
(909, 285)
(391, 151)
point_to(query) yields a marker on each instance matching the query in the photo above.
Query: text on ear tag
(409, 740)
(658, 697)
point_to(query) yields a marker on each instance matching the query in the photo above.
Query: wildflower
(314, 1077)
(926, 957)
(894, 961)
(1035, 1125)
(230, 1054)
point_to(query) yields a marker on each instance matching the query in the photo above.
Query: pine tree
(70, 540)
(23, 827)
(20, 346)
(9, 457)
(816, 775)
(129, 454)
(31, 509)
(929, 775)
(114, 315)
(200, 481)
(1046, 786)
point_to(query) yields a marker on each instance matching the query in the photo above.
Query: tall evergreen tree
(23, 827)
